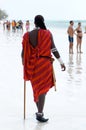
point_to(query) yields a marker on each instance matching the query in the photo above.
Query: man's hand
(63, 67)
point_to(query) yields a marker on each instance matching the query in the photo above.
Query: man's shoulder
(47, 31)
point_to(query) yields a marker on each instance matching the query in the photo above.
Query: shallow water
(66, 108)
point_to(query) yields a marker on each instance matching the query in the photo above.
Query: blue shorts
(70, 39)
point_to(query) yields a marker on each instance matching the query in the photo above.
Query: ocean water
(65, 108)
(64, 24)
(57, 23)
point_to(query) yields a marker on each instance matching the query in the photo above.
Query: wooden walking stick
(54, 78)
(24, 99)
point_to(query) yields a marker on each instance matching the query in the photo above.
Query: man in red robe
(37, 61)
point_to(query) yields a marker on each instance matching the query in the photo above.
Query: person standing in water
(70, 32)
(37, 60)
(79, 35)
(27, 25)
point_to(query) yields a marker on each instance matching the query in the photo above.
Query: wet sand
(65, 108)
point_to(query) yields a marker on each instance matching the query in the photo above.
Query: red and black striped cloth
(38, 68)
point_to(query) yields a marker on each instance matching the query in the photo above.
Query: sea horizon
(53, 23)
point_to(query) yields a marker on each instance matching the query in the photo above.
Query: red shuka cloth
(38, 69)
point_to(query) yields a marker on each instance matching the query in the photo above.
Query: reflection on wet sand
(74, 77)
(40, 126)
(74, 67)
(70, 67)
(78, 64)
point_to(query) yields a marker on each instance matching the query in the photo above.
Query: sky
(50, 9)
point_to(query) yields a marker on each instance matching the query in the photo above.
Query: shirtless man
(70, 32)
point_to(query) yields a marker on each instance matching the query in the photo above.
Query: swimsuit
(79, 31)
(70, 39)
(80, 37)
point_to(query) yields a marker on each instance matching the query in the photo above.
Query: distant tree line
(3, 14)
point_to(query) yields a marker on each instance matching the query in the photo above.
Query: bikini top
(79, 31)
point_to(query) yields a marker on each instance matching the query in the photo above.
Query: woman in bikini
(79, 37)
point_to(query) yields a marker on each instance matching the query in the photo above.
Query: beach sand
(65, 108)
